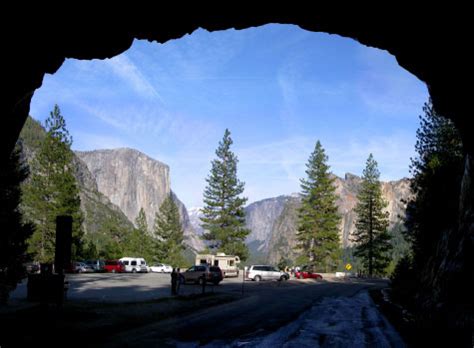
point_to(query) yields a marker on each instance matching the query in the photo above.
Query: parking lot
(128, 287)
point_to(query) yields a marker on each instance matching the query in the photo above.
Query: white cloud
(123, 67)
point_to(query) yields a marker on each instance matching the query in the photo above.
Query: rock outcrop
(260, 218)
(132, 180)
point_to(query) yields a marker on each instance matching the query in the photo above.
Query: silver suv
(265, 272)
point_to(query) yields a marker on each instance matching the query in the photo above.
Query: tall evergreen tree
(318, 218)
(224, 215)
(13, 231)
(139, 242)
(437, 171)
(371, 235)
(169, 233)
(140, 222)
(52, 190)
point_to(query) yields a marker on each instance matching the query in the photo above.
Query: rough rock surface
(132, 180)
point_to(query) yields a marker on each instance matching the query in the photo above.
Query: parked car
(198, 274)
(134, 264)
(96, 265)
(265, 272)
(78, 267)
(161, 268)
(307, 272)
(114, 266)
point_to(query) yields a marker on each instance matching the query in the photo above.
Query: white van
(134, 264)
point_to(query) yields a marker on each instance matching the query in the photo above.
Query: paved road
(263, 308)
(128, 287)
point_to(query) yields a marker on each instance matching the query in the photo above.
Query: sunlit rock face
(132, 180)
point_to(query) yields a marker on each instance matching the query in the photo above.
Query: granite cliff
(132, 180)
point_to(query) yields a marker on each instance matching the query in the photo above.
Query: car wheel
(113, 271)
(257, 278)
(215, 283)
(134, 270)
(283, 278)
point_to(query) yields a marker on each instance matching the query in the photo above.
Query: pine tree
(371, 235)
(13, 230)
(139, 242)
(224, 215)
(52, 190)
(141, 223)
(437, 172)
(318, 218)
(169, 233)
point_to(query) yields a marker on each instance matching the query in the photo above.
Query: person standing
(179, 279)
(174, 281)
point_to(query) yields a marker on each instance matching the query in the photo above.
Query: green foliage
(106, 229)
(437, 173)
(400, 246)
(404, 282)
(371, 235)
(52, 190)
(318, 218)
(90, 251)
(169, 234)
(140, 221)
(224, 215)
(284, 263)
(13, 230)
(139, 242)
(32, 135)
(347, 256)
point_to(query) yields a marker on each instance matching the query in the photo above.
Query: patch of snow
(334, 322)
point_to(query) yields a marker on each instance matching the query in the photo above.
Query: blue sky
(277, 88)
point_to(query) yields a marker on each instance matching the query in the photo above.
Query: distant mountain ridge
(273, 221)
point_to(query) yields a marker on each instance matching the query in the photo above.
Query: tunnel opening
(137, 99)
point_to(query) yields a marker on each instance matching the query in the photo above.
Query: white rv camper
(227, 263)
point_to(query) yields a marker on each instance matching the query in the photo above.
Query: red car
(114, 266)
(307, 273)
